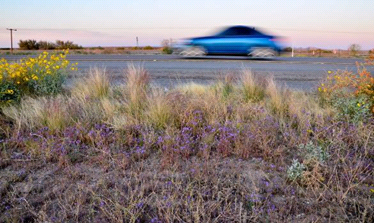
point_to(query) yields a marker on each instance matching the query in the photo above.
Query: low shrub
(351, 93)
(43, 75)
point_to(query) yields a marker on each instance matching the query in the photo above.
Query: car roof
(241, 26)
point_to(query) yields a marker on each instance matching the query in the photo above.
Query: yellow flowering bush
(43, 75)
(352, 93)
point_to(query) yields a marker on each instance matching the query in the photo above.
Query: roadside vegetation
(45, 45)
(240, 150)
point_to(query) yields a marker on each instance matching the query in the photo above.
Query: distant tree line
(45, 45)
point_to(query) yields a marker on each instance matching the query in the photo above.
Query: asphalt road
(300, 73)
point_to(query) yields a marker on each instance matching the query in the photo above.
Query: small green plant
(314, 152)
(296, 170)
(8, 93)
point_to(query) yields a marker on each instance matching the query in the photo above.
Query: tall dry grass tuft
(159, 112)
(91, 96)
(207, 99)
(95, 85)
(306, 111)
(51, 112)
(136, 89)
(253, 87)
(278, 101)
(137, 82)
(193, 89)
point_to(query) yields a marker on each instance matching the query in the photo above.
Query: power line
(321, 31)
(191, 28)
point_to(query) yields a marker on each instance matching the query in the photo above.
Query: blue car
(236, 40)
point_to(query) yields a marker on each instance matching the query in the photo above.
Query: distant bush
(120, 48)
(354, 49)
(148, 48)
(45, 45)
(287, 49)
(62, 45)
(28, 44)
(326, 51)
(108, 51)
(166, 46)
(167, 50)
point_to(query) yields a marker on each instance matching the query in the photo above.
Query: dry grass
(220, 153)
(95, 85)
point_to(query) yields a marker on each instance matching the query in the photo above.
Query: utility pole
(137, 42)
(292, 50)
(11, 39)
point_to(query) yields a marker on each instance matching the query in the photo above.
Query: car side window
(229, 32)
(244, 31)
(239, 31)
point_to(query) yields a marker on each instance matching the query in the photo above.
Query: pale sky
(326, 24)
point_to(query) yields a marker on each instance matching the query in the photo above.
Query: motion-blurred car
(236, 40)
